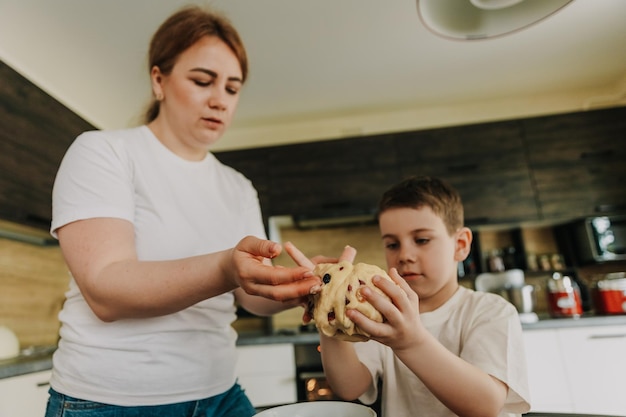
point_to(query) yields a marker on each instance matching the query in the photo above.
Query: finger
(374, 328)
(397, 278)
(348, 254)
(285, 292)
(321, 259)
(298, 257)
(259, 247)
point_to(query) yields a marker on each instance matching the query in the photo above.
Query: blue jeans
(232, 403)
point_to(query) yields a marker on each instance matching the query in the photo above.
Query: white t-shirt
(482, 328)
(178, 208)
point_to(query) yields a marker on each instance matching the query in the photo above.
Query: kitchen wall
(33, 280)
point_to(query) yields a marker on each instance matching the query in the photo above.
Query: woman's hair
(182, 30)
(417, 192)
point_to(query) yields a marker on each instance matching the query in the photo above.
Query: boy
(443, 349)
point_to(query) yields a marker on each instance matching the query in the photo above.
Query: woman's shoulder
(112, 135)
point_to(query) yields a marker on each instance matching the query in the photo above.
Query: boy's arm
(346, 375)
(462, 387)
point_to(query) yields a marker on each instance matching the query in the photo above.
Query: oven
(310, 379)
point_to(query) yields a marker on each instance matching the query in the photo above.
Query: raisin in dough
(340, 290)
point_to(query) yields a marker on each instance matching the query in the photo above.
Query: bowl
(319, 408)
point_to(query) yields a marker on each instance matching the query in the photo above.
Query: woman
(161, 240)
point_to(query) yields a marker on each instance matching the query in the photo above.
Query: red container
(610, 294)
(564, 298)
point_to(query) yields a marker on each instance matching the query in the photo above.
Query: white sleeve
(495, 345)
(93, 180)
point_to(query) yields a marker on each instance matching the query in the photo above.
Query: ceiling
(354, 63)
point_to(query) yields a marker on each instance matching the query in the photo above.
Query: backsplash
(33, 280)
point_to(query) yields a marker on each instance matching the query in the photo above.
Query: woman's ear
(463, 244)
(156, 80)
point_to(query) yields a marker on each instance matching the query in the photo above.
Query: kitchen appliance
(9, 344)
(311, 382)
(609, 293)
(510, 284)
(596, 239)
(322, 408)
(564, 299)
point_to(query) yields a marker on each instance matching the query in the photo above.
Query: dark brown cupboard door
(486, 163)
(577, 162)
(331, 178)
(35, 132)
(319, 179)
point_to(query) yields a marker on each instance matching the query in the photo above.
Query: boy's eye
(391, 246)
(421, 241)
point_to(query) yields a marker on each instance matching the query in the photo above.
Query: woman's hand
(256, 276)
(348, 254)
(402, 327)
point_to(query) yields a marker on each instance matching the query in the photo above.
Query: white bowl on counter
(319, 408)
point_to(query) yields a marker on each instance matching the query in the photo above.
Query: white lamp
(480, 19)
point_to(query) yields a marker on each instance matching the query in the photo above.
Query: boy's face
(418, 245)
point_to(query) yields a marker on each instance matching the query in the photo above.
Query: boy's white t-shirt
(482, 328)
(179, 209)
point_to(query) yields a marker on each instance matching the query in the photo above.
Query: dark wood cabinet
(486, 163)
(35, 132)
(320, 179)
(544, 168)
(577, 162)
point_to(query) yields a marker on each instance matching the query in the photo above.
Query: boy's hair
(416, 192)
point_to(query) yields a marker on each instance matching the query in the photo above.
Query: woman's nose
(217, 100)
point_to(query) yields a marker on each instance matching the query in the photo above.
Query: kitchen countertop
(40, 359)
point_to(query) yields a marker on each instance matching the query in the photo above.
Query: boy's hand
(348, 254)
(402, 327)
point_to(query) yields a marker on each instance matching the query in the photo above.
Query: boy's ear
(463, 243)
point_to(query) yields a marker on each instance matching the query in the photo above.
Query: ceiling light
(481, 19)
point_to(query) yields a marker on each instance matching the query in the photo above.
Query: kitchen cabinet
(24, 395)
(267, 373)
(36, 131)
(485, 162)
(577, 370)
(547, 379)
(577, 162)
(596, 365)
(550, 168)
(333, 178)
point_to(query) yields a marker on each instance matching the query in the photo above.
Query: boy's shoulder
(483, 302)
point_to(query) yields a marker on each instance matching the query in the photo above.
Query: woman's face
(199, 96)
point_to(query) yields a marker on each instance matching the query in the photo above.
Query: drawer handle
(43, 384)
(607, 336)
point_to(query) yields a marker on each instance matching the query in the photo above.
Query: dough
(340, 290)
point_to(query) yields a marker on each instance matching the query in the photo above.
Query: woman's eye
(202, 83)
(232, 90)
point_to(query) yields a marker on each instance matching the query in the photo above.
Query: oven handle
(308, 375)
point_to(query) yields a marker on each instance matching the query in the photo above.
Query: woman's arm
(101, 255)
